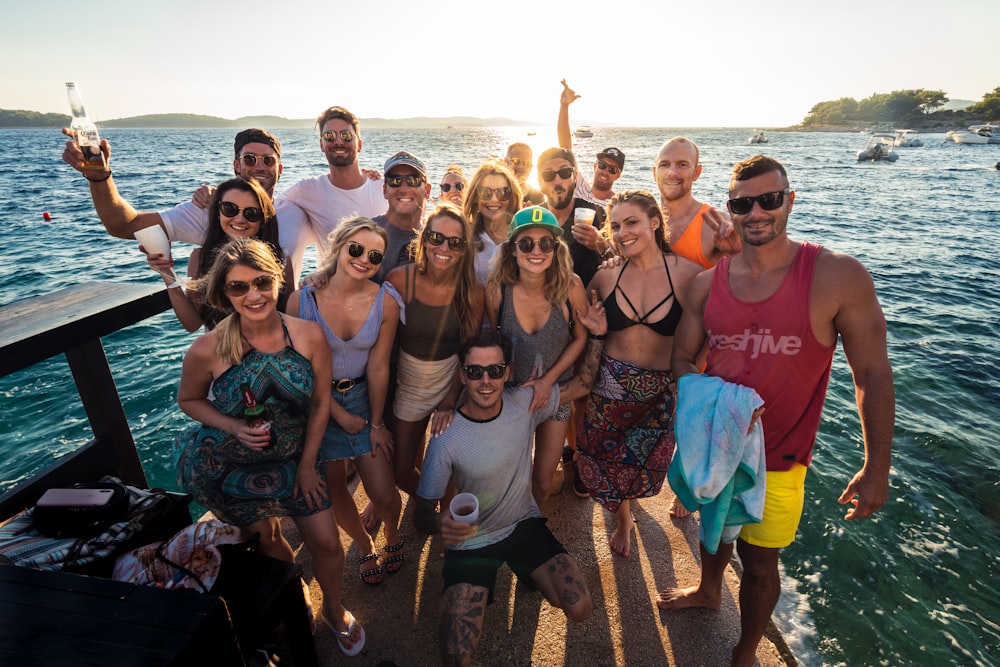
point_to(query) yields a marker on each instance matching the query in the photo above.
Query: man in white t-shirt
(607, 167)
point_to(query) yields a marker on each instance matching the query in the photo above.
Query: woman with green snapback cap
(531, 297)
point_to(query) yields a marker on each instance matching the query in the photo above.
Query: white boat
(758, 137)
(981, 135)
(908, 139)
(583, 132)
(993, 128)
(880, 148)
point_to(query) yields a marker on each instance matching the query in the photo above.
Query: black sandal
(373, 572)
(394, 558)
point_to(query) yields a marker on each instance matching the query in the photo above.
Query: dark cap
(255, 135)
(614, 155)
(408, 159)
(554, 154)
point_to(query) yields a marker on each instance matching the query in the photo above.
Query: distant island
(19, 119)
(925, 110)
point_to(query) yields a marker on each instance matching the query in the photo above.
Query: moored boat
(583, 132)
(758, 137)
(908, 139)
(880, 148)
(981, 135)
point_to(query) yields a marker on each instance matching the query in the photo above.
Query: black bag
(78, 521)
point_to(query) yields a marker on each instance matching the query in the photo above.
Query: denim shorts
(338, 444)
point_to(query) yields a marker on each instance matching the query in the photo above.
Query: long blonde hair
(470, 207)
(339, 237)
(466, 300)
(243, 252)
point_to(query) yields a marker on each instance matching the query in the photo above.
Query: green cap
(534, 216)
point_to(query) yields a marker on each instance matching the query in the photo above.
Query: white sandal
(344, 638)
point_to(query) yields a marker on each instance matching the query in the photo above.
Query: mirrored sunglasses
(608, 167)
(565, 173)
(412, 180)
(355, 250)
(437, 238)
(250, 160)
(242, 287)
(768, 202)
(250, 213)
(502, 193)
(345, 135)
(446, 187)
(475, 371)
(546, 244)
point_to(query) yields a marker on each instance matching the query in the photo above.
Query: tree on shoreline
(902, 106)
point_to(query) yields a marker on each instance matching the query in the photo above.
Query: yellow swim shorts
(783, 500)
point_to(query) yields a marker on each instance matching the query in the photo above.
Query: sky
(714, 63)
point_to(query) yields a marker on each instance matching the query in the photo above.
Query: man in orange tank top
(698, 232)
(772, 315)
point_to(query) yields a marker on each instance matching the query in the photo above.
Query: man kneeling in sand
(487, 451)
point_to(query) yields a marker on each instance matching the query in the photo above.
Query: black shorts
(531, 545)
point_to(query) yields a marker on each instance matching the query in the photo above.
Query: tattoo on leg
(462, 612)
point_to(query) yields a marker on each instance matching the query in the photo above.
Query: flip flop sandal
(344, 638)
(394, 563)
(372, 572)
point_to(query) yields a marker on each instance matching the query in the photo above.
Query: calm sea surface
(917, 585)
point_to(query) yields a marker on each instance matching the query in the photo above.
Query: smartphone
(75, 498)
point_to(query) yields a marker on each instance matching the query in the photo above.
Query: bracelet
(594, 336)
(98, 180)
(378, 427)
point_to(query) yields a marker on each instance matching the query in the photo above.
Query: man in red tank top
(772, 315)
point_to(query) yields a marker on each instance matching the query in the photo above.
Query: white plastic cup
(154, 240)
(465, 508)
(584, 216)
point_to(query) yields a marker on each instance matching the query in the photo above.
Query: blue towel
(717, 467)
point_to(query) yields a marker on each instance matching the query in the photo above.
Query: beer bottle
(255, 413)
(86, 131)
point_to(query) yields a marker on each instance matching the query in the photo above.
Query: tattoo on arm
(591, 362)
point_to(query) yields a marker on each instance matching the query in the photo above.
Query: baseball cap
(404, 158)
(534, 216)
(255, 135)
(556, 153)
(614, 155)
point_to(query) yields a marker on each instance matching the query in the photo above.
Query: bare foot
(621, 539)
(686, 598)
(369, 518)
(677, 509)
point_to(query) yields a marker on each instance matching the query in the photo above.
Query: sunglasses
(413, 180)
(231, 210)
(250, 160)
(546, 244)
(610, 168)
(518, 162)
(241, 287)
(486, 194)
(437, 238)
(475, 371)
(446, 187)
(355, 250)
(564, 173)
(768, 202)
(345, 135)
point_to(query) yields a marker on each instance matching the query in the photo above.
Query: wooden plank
(37, 328)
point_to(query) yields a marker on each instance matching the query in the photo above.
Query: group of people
(513, 334)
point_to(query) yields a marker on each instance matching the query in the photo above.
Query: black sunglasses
(526, 244)
(250, 160)
(355, 250)
(345, 135)
(437, 238)
(502, 193)
(768, 202)
(250, 213)
(475, 371)
(608, 167)
(241, 287)
(413, 180)
(564, 173)
(446, 187)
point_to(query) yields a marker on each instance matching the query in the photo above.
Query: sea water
(914, 585)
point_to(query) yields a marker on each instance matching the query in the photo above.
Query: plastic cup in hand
(584, 216)
(155, 242)
(465, 508)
